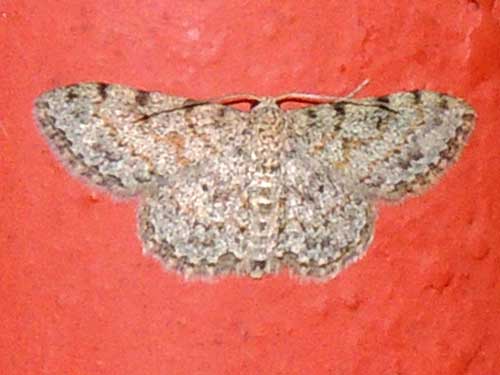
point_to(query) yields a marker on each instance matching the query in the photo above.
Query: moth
(224, 190)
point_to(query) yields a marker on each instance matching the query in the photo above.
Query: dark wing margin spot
(42, 105)
(417, 96)
(71, 95)
(384, 99)
(468, 117)
(221, 112)
(339, 108)
(142, 97)
(443, 101)
(48, 121)
(311, 113)
(259, 264)
(101, 89)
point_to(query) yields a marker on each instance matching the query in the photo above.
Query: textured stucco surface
(78, 296)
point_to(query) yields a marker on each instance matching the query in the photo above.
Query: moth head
(267, 118)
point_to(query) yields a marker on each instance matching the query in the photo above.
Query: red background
(77, 295)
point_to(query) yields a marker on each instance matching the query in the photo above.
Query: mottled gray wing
(123, 139)
(391, 145)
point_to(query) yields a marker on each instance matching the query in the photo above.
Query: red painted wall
(78, 297)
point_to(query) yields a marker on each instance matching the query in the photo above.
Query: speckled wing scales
(200, 223)
(327, 224)
(392, 145)
(124, 139)
(226, 191)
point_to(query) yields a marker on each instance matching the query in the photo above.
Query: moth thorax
(268, 122)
